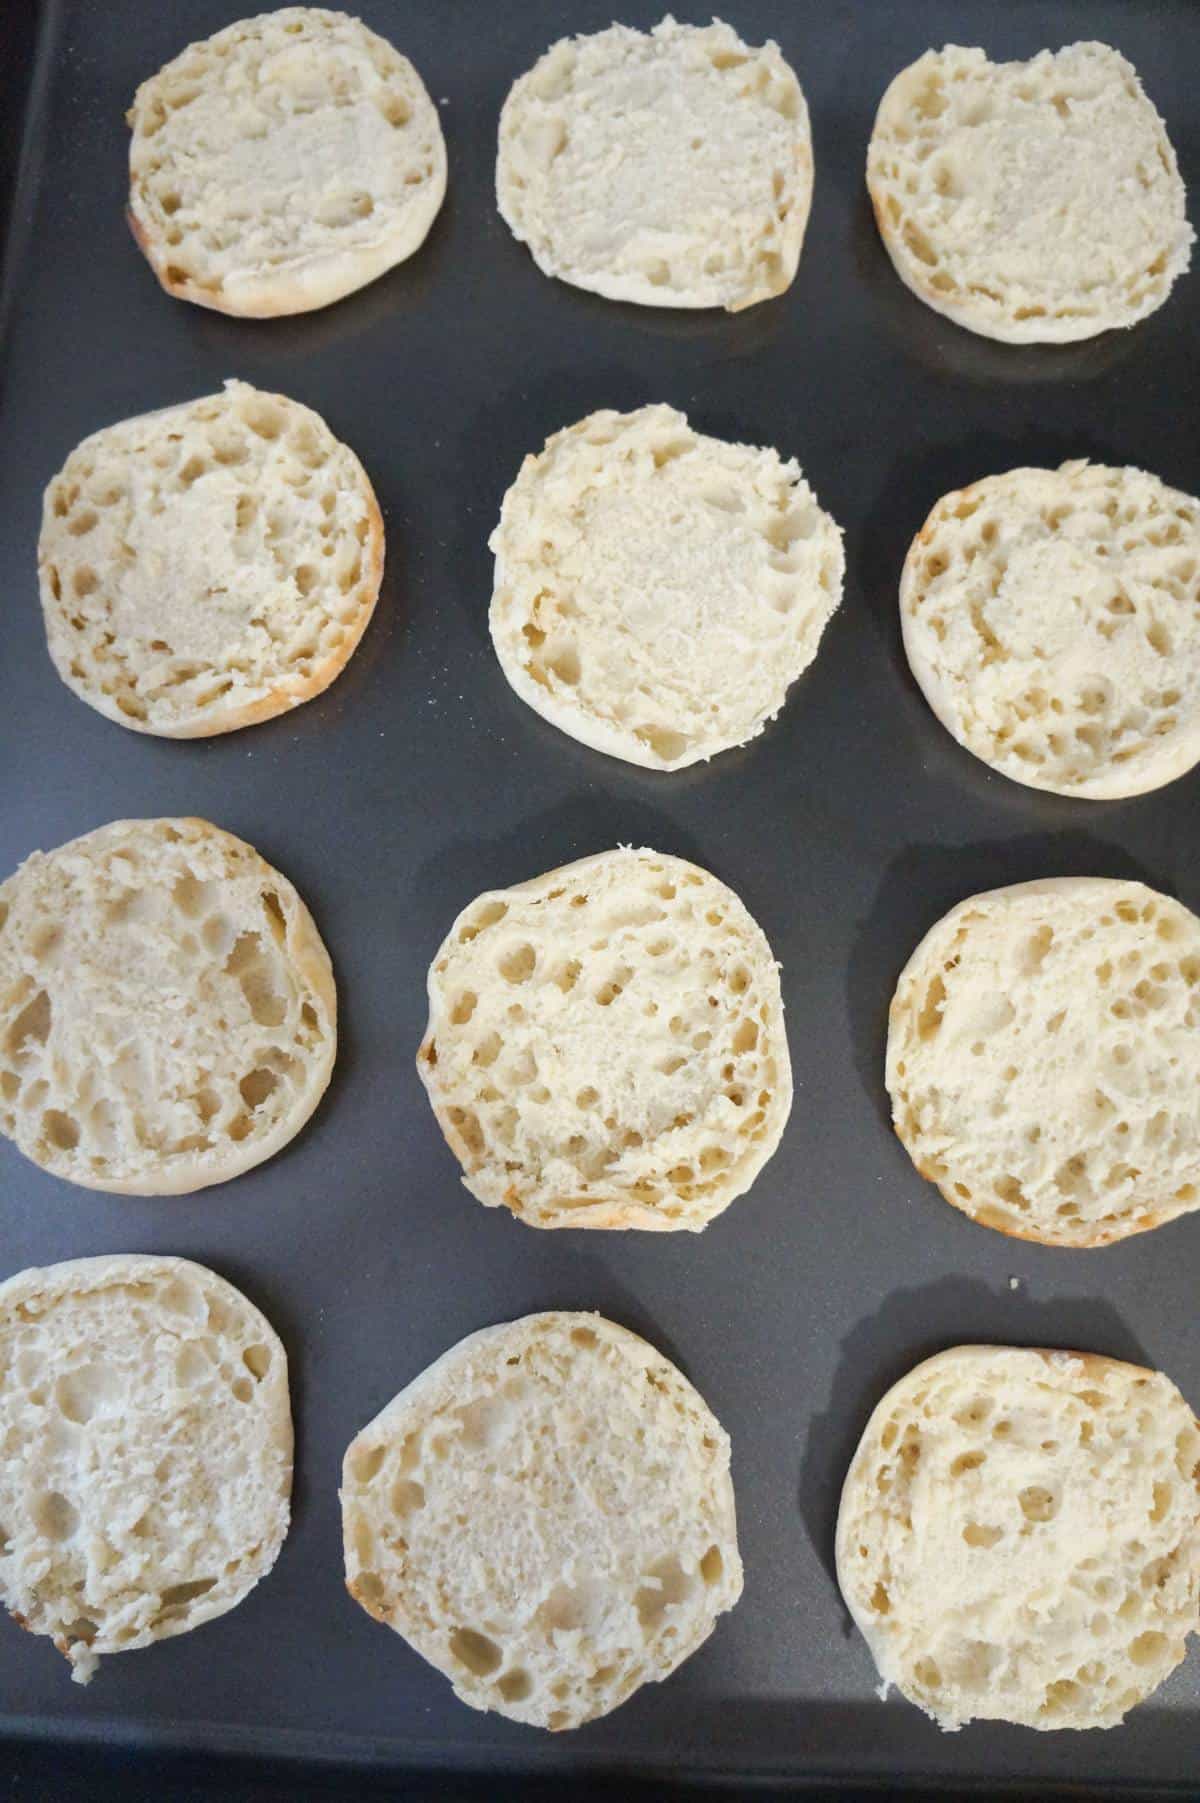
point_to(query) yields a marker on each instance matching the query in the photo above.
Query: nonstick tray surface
(419, 779)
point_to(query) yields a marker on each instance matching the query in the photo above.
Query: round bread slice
(1052, 620)
(210, 565)
(656, 591)
(167, 1008)
(148, 1451)
(1019, 1536)
(606, 1046)
(1043, 1059)
(546, 1515)
(283, 163)
(673, 167)
(1034, 202)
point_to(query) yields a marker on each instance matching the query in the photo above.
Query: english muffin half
(546, 1515)
(606, 1045)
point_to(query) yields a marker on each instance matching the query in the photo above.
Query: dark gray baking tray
(420, 779)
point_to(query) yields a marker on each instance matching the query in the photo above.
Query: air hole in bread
(395, 109)
(466, 1124)
(1148, 1648)
(406, 1497)
(54, 1516)
(193, 1363)
(479, 1654)
(1038, 1503)
(257, 1086)
(613, 986)
(86, 1391)
(31, 1026)
(489, 915)
(979, 1535)
(177, 1596)
(366, 1461)
(262, 416)
(712, 1565)
(666, 1585)
(929, 1019)
(84, 582)
(59, 1130)
(517, 965)
(368, 1588)
(515, 1685)
(666, 743)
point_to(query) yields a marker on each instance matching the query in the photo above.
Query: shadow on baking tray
(952, 350)
(911, 1326)
(924, 883)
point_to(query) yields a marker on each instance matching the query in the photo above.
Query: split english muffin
(672, 168)
(1034, 202)
(148, 1451)
(282, 163)
(1043, 1059)
(168, 1016)
(546, 1515)
(606, 1045)
(1019, 1536)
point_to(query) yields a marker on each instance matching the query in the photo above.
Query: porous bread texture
(1019, 1536)
(1043, 1059)
(1052, 620)
(167, 1009)
(606, 1045)
(148, 1451)
(546, 1515)
(672, 168)
(282, 163)
(657, 591)
(210, 565)
(1033, 202)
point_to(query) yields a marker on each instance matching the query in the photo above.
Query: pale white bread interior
(673, 167)
(1034, 202)
(282, 163)
(1019, 1536)
(1052, 619)
(657, 591)
(606, 1046)
(167, 1009)
(148, 1451)
(546, 1515)
(1043, 1059)
(208, 566)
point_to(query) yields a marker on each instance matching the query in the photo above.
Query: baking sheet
(419, 779)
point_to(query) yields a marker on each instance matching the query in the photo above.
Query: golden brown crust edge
(1080, 1242)
(211, 298)
(600, 1214)
(595, 1214)
(1084, 1241)
(1112, 787)
(292, 692)
(308, 951)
